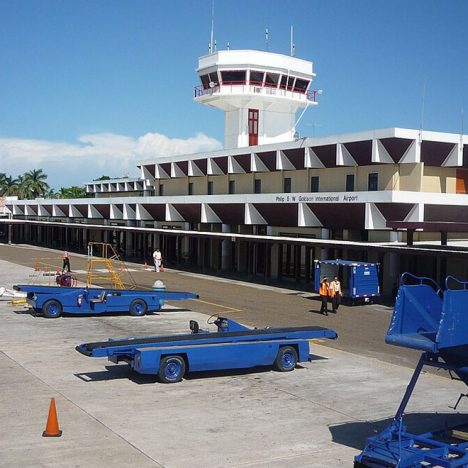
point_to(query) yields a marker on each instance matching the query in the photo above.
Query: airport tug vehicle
(436, 322)
(52, 301)
(231, 346)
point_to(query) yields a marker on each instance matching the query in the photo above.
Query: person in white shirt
(66, 262)
(157, 258)
(335, 293)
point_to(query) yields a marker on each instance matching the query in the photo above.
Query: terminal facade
(270, 202)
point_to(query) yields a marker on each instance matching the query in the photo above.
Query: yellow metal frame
(104, 256)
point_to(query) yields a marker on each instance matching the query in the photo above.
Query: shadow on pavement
(354, 434)
(124, 372)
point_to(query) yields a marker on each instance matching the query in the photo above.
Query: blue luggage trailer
(359, 280)
(232, 346)
(52, 301)
(435, 322)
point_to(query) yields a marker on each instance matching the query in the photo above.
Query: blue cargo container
(359, 280)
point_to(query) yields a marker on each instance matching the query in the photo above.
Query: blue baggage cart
(52, 301)
(232, 346)
(359, 280)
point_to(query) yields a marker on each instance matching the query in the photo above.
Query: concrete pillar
(274, 261)
(443, 238)
(226, 249)
(10, 233)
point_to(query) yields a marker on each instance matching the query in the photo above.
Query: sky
(90, 87)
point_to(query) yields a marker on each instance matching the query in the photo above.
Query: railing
(253, 87)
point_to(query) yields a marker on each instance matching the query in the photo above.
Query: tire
(138, 308)
(171, 369)
(52, 309)
(286, 359)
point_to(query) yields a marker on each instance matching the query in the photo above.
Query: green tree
(10, 186)
(103, 177)
(35, 183)
(2, 183)
(72, 192)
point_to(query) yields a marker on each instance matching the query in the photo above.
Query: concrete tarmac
(361, 328)
(316, 416)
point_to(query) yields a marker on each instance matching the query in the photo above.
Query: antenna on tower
(422, 110)
(293, 46)
(266, 39)
(462, 120)
(212, 43)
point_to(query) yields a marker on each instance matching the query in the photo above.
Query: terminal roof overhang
(339, 244)
(348, 138)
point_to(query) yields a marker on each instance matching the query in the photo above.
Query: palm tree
(3, 177)
(20, 187)
(35, 183)
(10, 186)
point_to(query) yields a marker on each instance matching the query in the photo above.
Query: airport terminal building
(269, 203)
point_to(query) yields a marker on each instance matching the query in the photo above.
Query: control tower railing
(242, 87)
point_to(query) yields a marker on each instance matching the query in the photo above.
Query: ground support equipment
(435, 322)
(232, 346)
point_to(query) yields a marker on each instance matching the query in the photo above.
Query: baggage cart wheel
(171, 369)
(52, 309)
(138, 308)
(286, 359)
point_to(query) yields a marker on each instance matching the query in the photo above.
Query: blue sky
(89, 87)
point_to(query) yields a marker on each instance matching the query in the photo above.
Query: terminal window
(258, 186)
(314, 184)
(210, 188)
(350, 183)
(373, 182)
(287, 185)
(161, 190)
(232, 187)
(190, 188)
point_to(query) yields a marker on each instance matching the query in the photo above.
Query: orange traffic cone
(36, 267)
(47, 269)
(52, 427)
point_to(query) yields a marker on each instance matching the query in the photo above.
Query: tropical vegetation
(33, 184)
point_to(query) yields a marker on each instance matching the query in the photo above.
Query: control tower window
(209, 78)
(301, 85)
(287, 82)
(256, 78)
(271, 79)
(233, 77)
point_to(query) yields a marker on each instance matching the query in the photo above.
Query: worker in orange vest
(324, 292)
(335, 294)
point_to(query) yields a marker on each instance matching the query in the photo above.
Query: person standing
(66, 262)
(324, 292)
(335, 294)
(157, 258)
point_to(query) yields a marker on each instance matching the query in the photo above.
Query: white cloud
(94, 155)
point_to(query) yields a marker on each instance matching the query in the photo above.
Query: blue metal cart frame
(436, 322)
(52, 301)
(232, 346)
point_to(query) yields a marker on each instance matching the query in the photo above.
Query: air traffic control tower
(259, 92)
